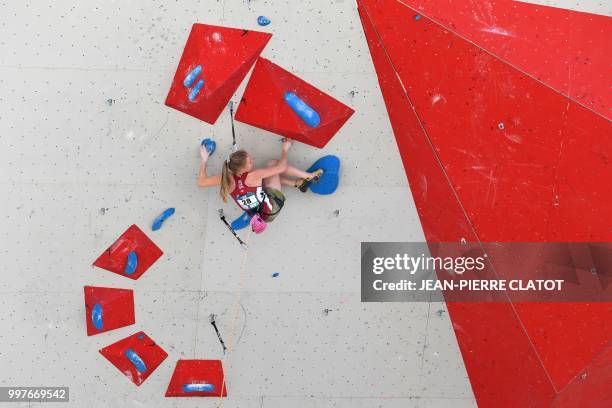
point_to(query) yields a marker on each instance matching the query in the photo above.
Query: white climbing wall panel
(603, 7)
(88, 148)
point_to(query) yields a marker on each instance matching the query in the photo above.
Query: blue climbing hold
(140, 336)
(192, 76)
(242, 222)
(136, 360)
(275, 274)
(157, 224)
(193, 94)
(204, 387)
(331, 175)
(132, 263)
(210, 145)
(417, 17)
(96, 316)
(305, 112)
(263, 20)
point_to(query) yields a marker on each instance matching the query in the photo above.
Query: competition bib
(248, 201)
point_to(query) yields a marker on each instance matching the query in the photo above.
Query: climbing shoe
(303, 184)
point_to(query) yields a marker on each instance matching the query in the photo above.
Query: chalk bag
(258, 224)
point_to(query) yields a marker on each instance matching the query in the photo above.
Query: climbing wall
(88, 149)
(501, 114)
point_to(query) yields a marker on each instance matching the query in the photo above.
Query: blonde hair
(232, 165)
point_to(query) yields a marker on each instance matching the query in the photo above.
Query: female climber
(256, 191)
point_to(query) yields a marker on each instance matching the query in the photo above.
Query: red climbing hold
(136, 356)
(192, 376)
(114, 258)
(264, 105)
(214, 62)
(108, 309)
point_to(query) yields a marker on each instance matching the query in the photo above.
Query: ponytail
(226, 181)
(231, 166)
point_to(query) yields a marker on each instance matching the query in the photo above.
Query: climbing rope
(230, 341)
(245, 254)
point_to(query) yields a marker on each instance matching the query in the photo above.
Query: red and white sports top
(249, 198)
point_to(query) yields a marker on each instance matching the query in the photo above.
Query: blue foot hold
(157, 224)
(132, 263)
(96, 316)
(192, 76)
(204, 387)
(263, 20)
(275, 274)
(301, 108)
(193, 94)
(210, 145)
(331, 175)
(136, 360)
(241, 222)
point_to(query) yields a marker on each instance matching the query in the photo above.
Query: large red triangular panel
(197, 378)
(115, 257)
(494, 155)
(225, 55)
(263, 105)
(108, 309)
(136, 356)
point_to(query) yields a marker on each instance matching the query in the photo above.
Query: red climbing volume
(115, 257)
(108, 309)
(197, 378)
(265, 105)
(214, 63)
(136, 356)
